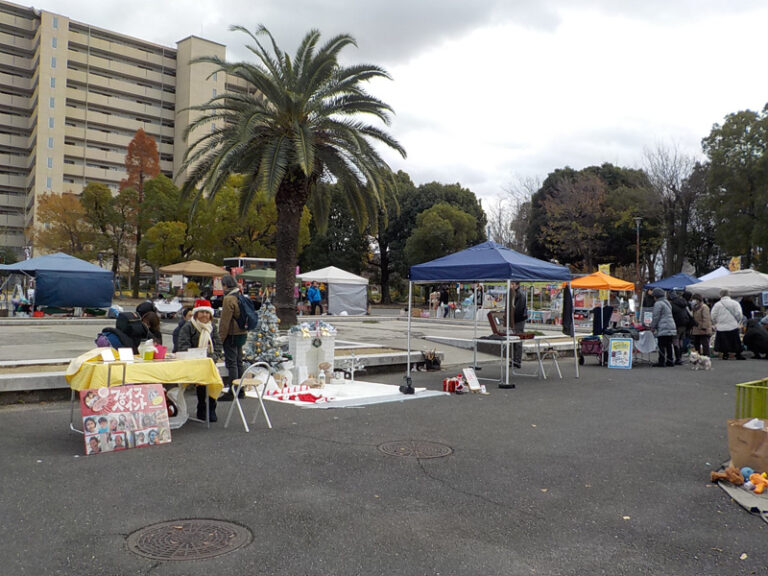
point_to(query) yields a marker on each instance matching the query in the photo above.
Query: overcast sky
(488, 92)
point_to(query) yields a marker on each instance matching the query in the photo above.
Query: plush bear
(730, 474)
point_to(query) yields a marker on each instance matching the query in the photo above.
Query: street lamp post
(638, 219)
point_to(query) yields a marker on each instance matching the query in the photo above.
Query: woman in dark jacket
(756, 338)
(200, 332)
(152, 321)
(186, 314)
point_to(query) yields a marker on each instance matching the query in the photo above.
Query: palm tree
(299, 122)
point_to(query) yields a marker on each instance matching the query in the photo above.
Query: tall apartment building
(71, 99)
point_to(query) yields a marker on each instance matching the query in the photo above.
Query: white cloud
(488, 90)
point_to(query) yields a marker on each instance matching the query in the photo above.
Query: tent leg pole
(474, 333)
(573, 332)
(407, 388)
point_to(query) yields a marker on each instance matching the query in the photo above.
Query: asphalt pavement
(605, 474)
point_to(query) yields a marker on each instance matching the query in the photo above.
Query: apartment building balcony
(94, 62)
(20, 23)
(14, 201)
(124, 48)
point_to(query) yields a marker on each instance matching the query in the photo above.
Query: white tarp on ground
(741, 283)
(347, 292)
(357, 393)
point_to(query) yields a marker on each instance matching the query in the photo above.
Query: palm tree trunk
(290, 201)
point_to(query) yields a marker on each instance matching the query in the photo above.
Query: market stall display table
(542, 346)
(94, 373)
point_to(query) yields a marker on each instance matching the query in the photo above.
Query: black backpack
(248, 319)
(130, 324)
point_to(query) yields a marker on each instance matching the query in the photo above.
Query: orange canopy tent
(601, 281)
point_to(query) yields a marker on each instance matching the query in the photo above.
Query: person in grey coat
(663, 326)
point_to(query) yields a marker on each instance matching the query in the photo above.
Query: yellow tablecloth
(93, 374)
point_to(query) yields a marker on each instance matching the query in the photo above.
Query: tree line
(694, 214)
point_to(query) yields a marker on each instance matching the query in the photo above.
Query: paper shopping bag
(747, 446)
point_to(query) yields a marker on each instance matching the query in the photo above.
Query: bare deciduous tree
(508, 216)
(668, 170)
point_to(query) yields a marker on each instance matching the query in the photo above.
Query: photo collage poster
(123, 417)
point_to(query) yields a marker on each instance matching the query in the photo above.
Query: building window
(53, 61)
(50, 162)
(213, 128)
(54, 42)
(53, 82)
(50, 122)
(55, 21)
(50, 142)
(48, 183)
(51, 102)
(214, 76)
(214, 92)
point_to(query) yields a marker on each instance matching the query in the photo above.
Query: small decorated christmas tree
(261, 343)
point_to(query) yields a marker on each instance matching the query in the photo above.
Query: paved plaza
(605, 474)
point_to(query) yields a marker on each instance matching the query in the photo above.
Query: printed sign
(471, 378)
(620, 353)
(124, 417)
(647, 318)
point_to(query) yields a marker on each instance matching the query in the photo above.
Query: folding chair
(255, 376)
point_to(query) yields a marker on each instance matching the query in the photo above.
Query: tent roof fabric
(58, 262)
(741, 283)
(601, 281)
(487, 262)
(194, 268)
(716, 273)
(261, 275)
(332, 275)
(676, 282)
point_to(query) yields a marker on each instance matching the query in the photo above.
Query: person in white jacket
(726, 319)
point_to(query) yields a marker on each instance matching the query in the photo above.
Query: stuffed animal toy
(730, 474)
(760, 482)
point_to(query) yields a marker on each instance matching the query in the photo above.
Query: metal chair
(255, 376)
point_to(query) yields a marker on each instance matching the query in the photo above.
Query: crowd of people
(683, 322)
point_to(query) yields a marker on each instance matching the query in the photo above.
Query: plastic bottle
(321, 378)
(147, 350)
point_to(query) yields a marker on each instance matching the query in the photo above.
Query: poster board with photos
(123, 417)
(620, 353)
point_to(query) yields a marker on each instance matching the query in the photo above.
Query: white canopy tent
(741, 283)
(347, 292)
(716, 273)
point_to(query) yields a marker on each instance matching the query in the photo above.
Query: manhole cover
(193, 539)
(415, 449)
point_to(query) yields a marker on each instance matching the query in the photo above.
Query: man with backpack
(232, 335)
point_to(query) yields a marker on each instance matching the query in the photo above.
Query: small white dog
(699, 362)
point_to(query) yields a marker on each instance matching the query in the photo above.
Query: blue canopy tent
(676, 282)
(486, 262)
(63, 280)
